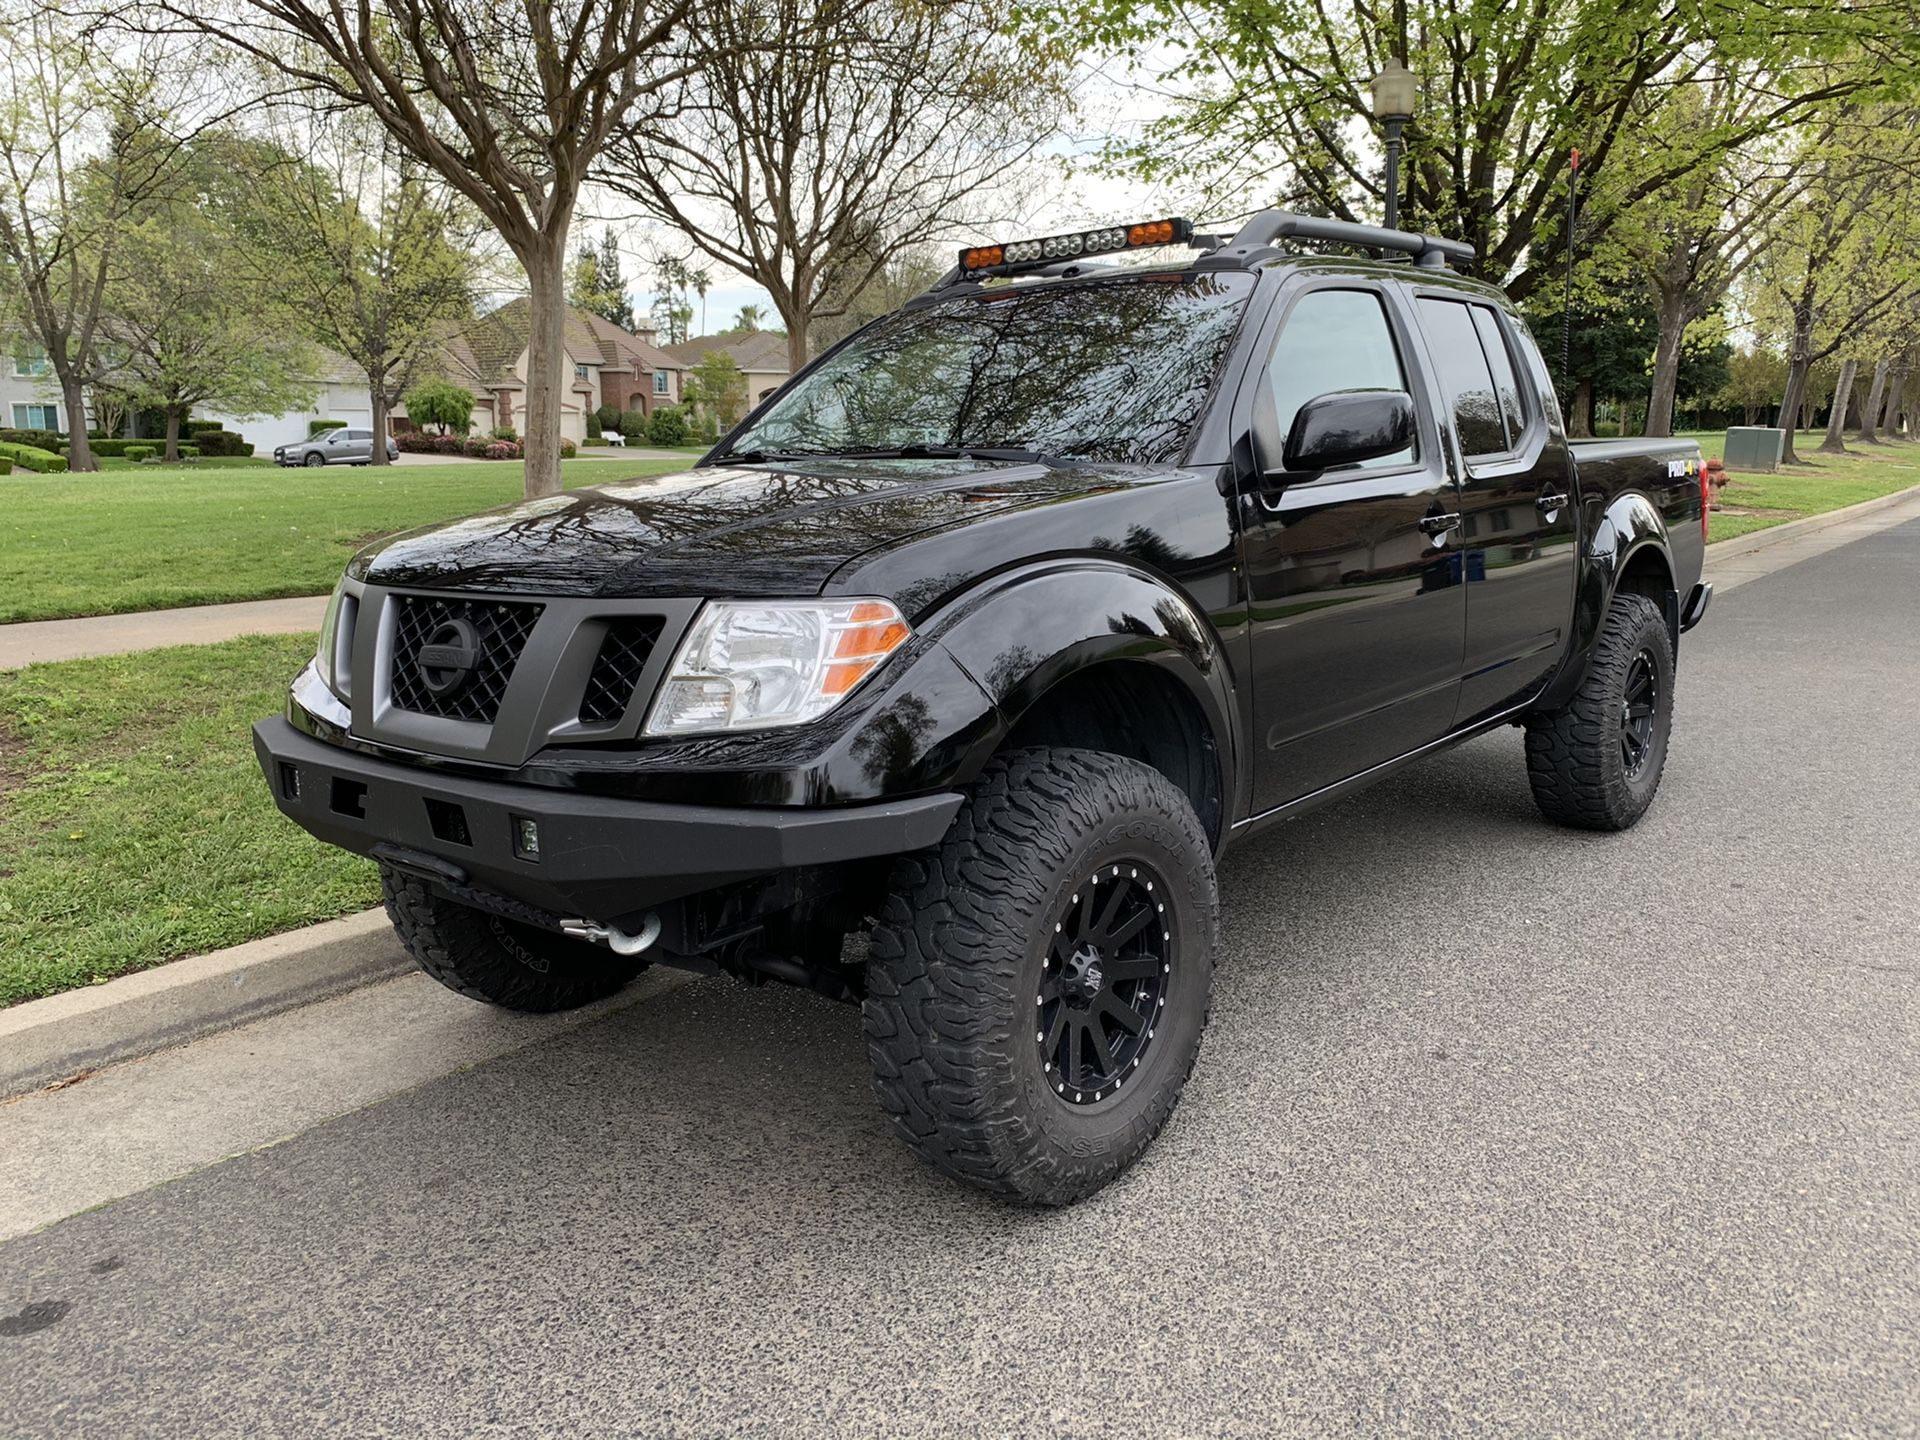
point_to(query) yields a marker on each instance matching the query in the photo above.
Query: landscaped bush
(221, 442)
(414, 442)
(668, 426)
(567, 448)
(503, 450)
(476, 446)
(607, 417)
(32, 457)
(506, 432)
(447, 445)
(633, 424)
(246, 449)
(46, 440)
(137, 453)
(194, 427)
(189, 452)
(321, 427)
(6, 466)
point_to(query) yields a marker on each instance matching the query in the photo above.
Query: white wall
(337, 400)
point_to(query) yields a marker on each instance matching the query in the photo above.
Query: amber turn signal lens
(985, 256)
(1156, 232)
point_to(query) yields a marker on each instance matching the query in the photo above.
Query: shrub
(633, 424)
(567, 448)
(33, 457)
(6, 466)
(668, 426)
(446, 445)
(40, 439)
(506, 432)
(194, 427)
(414, 442)
(476, 446)
(607, 417)
(221, 442)
(503, 450)
(441, 403)
(189, 452)
(320, 427)
(246, 449)
(137, 453)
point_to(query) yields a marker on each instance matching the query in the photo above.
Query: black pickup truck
(982, 639)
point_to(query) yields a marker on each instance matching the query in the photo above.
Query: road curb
(47, 1040)
(1758, 540)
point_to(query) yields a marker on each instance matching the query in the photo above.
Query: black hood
(736, 530)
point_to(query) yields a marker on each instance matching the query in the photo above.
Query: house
(761, 357)
(609, 365)
(339, 392)
(29, 395)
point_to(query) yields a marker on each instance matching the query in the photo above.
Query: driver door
(1358, 611)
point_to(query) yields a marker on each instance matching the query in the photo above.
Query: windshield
(1114, 370)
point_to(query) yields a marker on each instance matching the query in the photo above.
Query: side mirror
(1349, 426)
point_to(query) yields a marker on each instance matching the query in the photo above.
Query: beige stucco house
(760, 356)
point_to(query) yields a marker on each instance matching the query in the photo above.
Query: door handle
(1438, 525)
(1551, 505)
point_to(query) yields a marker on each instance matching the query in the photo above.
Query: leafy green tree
(191, 322)
(1756, 379)
(748, 319)
(716, 389)
(597, 283)
(372, 258)
(441, 403)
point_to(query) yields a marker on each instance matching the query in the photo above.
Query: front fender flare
(1026, 630)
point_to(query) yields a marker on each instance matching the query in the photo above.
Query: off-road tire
(964, 941)
(1580, 776)
(487, 957)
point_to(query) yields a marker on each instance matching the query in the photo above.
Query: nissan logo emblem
(449, 658)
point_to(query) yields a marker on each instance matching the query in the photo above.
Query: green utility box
(1755, 447)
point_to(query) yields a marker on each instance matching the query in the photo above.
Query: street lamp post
(1393, 96)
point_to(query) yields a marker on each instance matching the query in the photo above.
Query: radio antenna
(1566, 309)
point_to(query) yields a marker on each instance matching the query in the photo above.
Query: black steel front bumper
(599, 857)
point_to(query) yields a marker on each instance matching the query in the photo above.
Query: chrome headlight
(333, 659)
(750, 666)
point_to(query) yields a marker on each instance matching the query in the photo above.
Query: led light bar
(1106, 240)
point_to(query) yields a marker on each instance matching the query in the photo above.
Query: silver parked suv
(336, 447)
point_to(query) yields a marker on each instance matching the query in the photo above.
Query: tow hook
(614, 938)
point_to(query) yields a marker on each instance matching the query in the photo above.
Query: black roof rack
(1430, 252)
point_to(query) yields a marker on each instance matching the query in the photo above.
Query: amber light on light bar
(1102, 241)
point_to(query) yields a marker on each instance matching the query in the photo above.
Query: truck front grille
(617, 668)
(500, 630)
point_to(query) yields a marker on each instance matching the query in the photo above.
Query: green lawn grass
(1829, 482)
(146, 537)
(134, 825)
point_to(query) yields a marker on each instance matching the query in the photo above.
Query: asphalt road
(1498, 1129)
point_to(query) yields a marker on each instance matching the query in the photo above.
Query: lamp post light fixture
(1394, 91)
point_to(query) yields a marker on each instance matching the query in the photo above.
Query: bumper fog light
(526, 838)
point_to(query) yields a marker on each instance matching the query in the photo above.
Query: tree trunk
(1876, 393)
(1790, 403)
(171, 452)
(1896, 393)
(796, 341)
(1666, 368)
(1580, 412)
(1835, 443)
(546, 359)
(79, 453)
(378, 391)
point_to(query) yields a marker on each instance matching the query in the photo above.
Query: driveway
(1498, 1129)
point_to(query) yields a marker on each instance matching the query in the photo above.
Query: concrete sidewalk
(35, 641)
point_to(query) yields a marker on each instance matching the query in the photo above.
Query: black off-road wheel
(1038, 984)
(503, 962)
(1595, 763)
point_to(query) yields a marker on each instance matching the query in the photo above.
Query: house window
(31, 364)
(36, 417)
(579, 372)
(660, 383)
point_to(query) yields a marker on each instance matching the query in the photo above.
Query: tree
(1756, 379)
(85, 139)
(598, 284)
(907, 274)
(717, 389)
(371, 257)
(672, 314)
(747, 320)
(1270, 102)
(189, 320)
(510, 103)
(819, 140)
(442, 403)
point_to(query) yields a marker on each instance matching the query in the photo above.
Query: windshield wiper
(918, 451)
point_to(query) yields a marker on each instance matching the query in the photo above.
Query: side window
(1505, 385)
(1335, 340)
(1466, 377)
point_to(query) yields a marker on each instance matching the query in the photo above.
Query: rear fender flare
(1629, 526)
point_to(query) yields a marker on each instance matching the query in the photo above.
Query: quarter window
(1483, 407)
(1335, 340)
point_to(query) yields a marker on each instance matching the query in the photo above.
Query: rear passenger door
(1517, 526)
